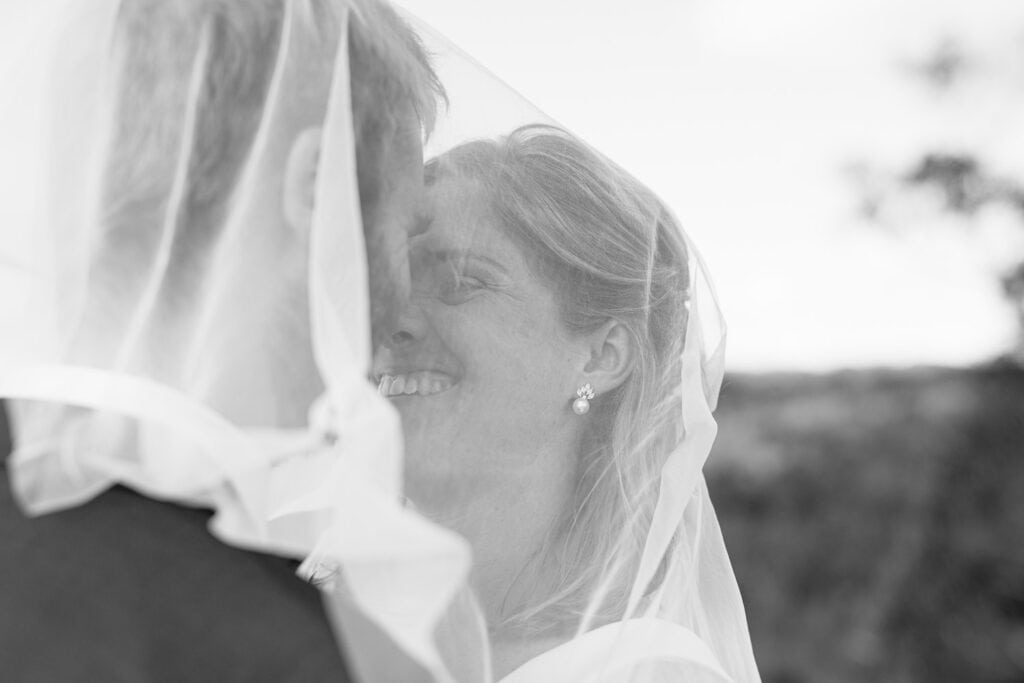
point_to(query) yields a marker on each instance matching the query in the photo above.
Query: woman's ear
(300, 179)
(611, 357)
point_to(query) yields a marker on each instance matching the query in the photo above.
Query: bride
(554, 389)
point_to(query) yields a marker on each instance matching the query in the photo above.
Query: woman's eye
(469, 282)
(459, 286)
(445, 280)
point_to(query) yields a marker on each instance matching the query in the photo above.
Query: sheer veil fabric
(244, 289)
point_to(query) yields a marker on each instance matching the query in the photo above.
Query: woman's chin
(426, 416)
(428, 480)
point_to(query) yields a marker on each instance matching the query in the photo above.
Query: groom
(127, 588)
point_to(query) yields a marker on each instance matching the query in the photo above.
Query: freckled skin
(505, 431)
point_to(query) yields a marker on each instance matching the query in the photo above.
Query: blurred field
(876, 522)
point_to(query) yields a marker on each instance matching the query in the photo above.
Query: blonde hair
(611, 250)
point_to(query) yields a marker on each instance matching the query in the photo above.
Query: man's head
(200, 263)
(395, 96)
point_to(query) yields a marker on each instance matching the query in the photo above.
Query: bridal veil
(206, 222)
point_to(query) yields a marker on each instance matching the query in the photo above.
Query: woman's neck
(508, 520)
(508, 531)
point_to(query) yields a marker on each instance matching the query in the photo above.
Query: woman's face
(480, 365)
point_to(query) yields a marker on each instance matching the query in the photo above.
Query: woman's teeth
(423, 383)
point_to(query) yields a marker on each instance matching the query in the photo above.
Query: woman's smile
(414, 383)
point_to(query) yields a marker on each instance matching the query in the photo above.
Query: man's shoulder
(128, 588)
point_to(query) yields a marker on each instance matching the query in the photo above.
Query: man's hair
(392, 85)
(191, 81)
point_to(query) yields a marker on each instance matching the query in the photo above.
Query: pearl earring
(583, 395)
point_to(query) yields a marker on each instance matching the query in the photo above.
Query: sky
(746, 116)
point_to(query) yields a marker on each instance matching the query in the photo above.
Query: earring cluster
(582, 403)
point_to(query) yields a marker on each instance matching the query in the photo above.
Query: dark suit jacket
(126, 588)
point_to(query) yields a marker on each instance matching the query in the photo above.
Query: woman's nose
(409, 326)
(400, 338)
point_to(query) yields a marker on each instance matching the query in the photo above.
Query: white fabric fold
(315, 494)
(631, 650)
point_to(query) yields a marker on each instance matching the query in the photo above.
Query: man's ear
(611, 357)
(300, 179)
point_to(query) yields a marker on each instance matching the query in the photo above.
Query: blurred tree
(874, 520)
(966, 186)
(958, 175)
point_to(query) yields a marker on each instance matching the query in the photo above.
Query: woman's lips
(416, 383)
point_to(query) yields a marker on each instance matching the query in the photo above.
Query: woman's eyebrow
(460, 255)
